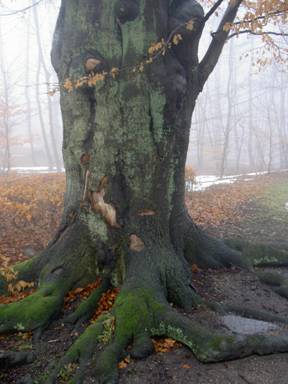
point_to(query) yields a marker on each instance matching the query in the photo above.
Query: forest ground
(253, 209)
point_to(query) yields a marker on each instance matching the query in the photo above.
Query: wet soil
(263, 219)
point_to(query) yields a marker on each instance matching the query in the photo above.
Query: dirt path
(263, 219)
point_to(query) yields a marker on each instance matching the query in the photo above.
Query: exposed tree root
(276, 281)
(35, 311)
(130, 321)
(136, 317)
(9, 359)
(155, 275)
(204, 250)
(84, 347)
(26, 271)
(210, 347)
(57, 275)
(261, 255)
(208, 252)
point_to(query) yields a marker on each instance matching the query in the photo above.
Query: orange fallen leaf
(165, 345)
(123, 364)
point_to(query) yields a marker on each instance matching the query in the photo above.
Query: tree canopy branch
(279, 12)
(256, 33)
(212, 10)
(214, 50)
(16, 11)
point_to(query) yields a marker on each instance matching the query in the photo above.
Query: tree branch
(279, 12)
(212, 10)
(11, 12)
(256, 33)
(214, 50)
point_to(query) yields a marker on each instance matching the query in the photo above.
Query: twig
(212, 10)
(11, 13)
(257, 33)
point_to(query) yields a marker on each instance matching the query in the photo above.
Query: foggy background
(239, 125)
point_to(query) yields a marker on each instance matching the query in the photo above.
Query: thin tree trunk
(28, 96)
(47, 80)
(239, 146)
(41, 117)
(6, 109)
(270, 141)
(251, 111)
(283, 123)
(228, 125)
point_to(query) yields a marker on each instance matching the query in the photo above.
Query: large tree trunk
(125, 145)
(127, 137)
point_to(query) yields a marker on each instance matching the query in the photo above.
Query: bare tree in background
(230, 97)
(47, 75)
(5, 101)
(28, 95)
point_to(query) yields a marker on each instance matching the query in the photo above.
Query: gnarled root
(34, 312)
(202, 249)
(103, 344)
(208, 252)
(261, 255)
(276, 281)
(11, 358)
(209, 346)
(27, 271)
(155, 276)
(137, 316)
(58, 275)
(83, 349)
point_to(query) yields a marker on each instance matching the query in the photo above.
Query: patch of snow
(203, 182)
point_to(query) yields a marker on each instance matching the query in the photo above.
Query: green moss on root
(35, 311)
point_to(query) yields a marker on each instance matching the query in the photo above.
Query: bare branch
(212, 10)
(213, 53)
(11, 12)
(256, 33)
(279, 12)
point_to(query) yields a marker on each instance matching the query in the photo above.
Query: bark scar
(91, 64)
(85, 192)
(107, 211)
(146, 212)
(136, 244)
